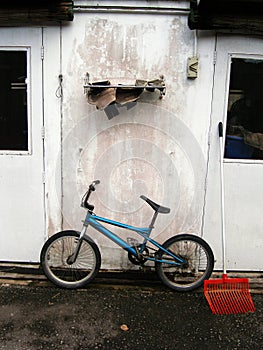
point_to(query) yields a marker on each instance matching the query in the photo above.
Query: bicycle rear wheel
(198, 267)
(56, 265)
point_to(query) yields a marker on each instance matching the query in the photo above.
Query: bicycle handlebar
(84, 202)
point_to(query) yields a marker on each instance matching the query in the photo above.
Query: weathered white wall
(165, 149)
(158, 148)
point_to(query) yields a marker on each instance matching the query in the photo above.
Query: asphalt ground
(109, 316)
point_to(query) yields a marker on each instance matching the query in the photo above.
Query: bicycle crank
(141, 258)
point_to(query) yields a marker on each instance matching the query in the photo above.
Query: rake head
(229, 295)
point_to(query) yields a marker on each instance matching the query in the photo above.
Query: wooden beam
(238, 16)
(30, 12)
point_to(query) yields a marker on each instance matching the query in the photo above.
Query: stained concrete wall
(166, 149)
(157, 148)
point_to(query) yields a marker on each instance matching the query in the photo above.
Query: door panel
(243, 174)
(22, 224)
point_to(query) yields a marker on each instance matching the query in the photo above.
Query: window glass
(244, 136)
(13, 101)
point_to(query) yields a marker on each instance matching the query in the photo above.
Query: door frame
(212, 219)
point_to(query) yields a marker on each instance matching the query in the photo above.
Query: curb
(32, 274)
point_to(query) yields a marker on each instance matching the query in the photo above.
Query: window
(13, 101)
(244, 135)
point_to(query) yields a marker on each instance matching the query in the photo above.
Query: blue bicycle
(71, 259)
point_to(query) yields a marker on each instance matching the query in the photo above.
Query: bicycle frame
(94, 221)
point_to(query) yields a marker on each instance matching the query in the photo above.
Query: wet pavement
(120, 317)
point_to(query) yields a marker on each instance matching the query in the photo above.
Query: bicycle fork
(73, 257)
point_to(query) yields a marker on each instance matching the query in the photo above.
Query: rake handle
(220, 132)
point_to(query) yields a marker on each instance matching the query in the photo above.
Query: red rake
(227, 295)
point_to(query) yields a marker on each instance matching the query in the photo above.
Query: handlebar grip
(220, 129)
(85, 202)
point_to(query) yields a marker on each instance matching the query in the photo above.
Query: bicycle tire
(199, 262)
(54, 260)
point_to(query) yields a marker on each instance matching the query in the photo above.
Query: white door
(238, 102)
(22, 222)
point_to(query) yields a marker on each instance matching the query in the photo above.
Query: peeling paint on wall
(146, 150)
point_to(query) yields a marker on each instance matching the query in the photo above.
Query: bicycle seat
(155, 206)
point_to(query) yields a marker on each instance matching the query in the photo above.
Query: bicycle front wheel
(198, 266)
(55, 260)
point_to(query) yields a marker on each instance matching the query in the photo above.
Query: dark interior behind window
(244, 139)
(13, 101)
